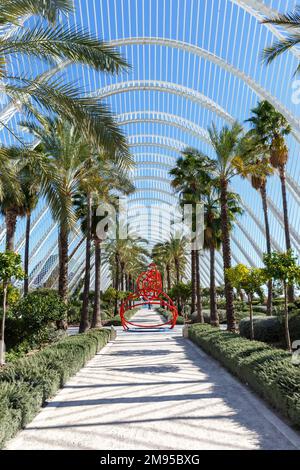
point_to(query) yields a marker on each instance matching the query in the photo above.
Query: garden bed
(28, 383)
(268, 371)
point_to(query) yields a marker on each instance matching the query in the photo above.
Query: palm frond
(279, 47)
(12, 10)
(88, 114)
(57, 43)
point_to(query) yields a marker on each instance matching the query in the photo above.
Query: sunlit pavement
(155, 390)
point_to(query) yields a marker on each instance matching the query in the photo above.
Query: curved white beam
(166, 87)
(198, 51)
(164, 118)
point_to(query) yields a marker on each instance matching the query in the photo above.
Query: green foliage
(29, 325)
(267, 329)
(40, 308)
(182, 291)
(248, 279)
(13, 295)
(26, 384)
(271, 329)
(282, 267)
(268, 371)
(10, 266)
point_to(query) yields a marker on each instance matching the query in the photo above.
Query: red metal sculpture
(148, 287)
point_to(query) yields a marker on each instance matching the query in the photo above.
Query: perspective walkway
(155, 390)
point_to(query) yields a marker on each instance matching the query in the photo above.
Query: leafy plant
(283, 267)
(251, 281)
(10, 266)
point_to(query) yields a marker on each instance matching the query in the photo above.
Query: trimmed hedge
(268, 371)
(271, 329)
(267, 329)
(26, 384)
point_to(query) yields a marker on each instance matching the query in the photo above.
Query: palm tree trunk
(96, 321)
(168, 276)
(84, 322)
(198, 288)
(2, 333)
(26, 253)
(122, 275)
(63, 249)
(214, 318)
(263, 193)
(117, 283)
(10, 222)
(231, 325)
(291, 295)
(194, 293)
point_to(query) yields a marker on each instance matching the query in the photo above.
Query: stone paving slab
(155, 390)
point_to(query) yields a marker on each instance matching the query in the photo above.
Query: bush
(268, 371)
(268, 329)
(116, 320)
(26, 384)
(271, 329)
(259, 309)
(29, 325)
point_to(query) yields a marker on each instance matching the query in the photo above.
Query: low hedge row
(167, 316)
(268, 371)
(26, 384)
(271, 329)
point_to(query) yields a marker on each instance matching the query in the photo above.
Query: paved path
(155, 390)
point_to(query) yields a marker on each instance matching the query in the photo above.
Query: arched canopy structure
(193, 62)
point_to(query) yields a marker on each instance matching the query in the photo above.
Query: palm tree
(270, 128)
(173, 254)
(162, 258)
(212, 242)
(225, 143)
(68, 152)
(190, 178)
(213, 235)
(113, 177)
(51, 42)
(258, 169)
(290, 21)
(119, 252)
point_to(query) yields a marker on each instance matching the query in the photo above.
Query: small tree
(250, 280)
(10, 266)
(283, 267)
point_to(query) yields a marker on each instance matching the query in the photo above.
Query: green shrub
(31, 319)
(259, 309)
(116, 320)
(268, 371)
(271, 329)
(26, 384)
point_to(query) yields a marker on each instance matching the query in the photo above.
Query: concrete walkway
(155, 390)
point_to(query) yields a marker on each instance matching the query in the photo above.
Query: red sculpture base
(149, 289)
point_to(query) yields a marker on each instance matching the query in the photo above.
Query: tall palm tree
(213, 235)
(291, 22)
(225, 143)
(50, 42)
(270, 128)
(113, 177)
(212, 242)
(119, 252)
(258, 169)
(190, 178)
(173, 253)
(68, 153)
